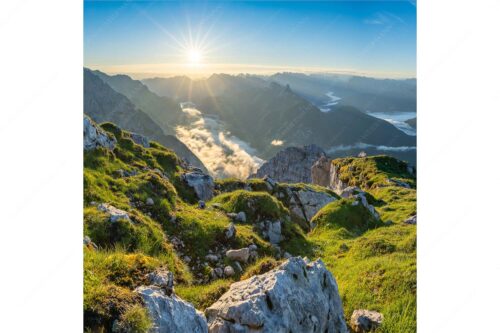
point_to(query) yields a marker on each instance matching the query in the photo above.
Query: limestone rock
(270, 183)
(202, 183)
(305, 203)
(140, 139)
(94, 136)
(411, 220)
(162, 278)
(240, 255)
(335, 183)
(212, 257)
(365, 320)
(297, 296)
(272, 231)
(291, 165)
(89, 243)
(241, 217)
(349, 191)
(150, 202)
(114, 213)
(230, 231)
(361, 198)
(170, 313)
(320, 171)
(228, 271)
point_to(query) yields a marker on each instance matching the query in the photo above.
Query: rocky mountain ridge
(103, 104)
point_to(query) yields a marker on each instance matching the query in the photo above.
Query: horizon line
(200, 71)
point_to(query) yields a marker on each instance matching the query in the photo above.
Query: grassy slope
(128, 250)
(374, 263)
(375, 266)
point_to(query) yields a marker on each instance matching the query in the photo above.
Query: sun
(194, 56)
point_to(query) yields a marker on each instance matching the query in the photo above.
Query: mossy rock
(258, 206)
(232, 184)
(343, 214)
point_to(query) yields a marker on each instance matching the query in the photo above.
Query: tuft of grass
(257, 206)
(342, 214)
(135, 319)
(202, 296)
(263, 265)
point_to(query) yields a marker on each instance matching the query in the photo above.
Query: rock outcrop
(292, 164)
(94, 137)
(297, 296)
(170, 313)
(202, 184)
(305, 203)
(271, 230)
(365, 320)
(361, 199)
(140, 139)
(115, 214)
(320, 171)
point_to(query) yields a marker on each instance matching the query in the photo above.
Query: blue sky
(371, 37)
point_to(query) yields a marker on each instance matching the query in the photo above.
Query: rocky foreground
(170, 249)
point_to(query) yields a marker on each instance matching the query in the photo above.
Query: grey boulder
(365, 320)
(240, 255)
(94, 136)
(171, 314)
(202, 184)
(140, 139)
(305, 203)
(115, 214)
(297, 296)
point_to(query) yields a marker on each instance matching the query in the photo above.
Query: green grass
(257, 206)
(202, 296)
(232, 184)
(373, 262)
(375, 270)
(342, 214)
(135, 319)
(373, 171)
(202, 230)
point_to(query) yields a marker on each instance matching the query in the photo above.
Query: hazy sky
(163, 38)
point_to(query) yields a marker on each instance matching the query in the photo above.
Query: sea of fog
(223, 154)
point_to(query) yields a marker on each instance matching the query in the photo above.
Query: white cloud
(366, 145)
(277, 142)
(224, 155)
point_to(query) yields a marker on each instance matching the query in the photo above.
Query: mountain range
(104, 104)
(268, 115)
(364, 93)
